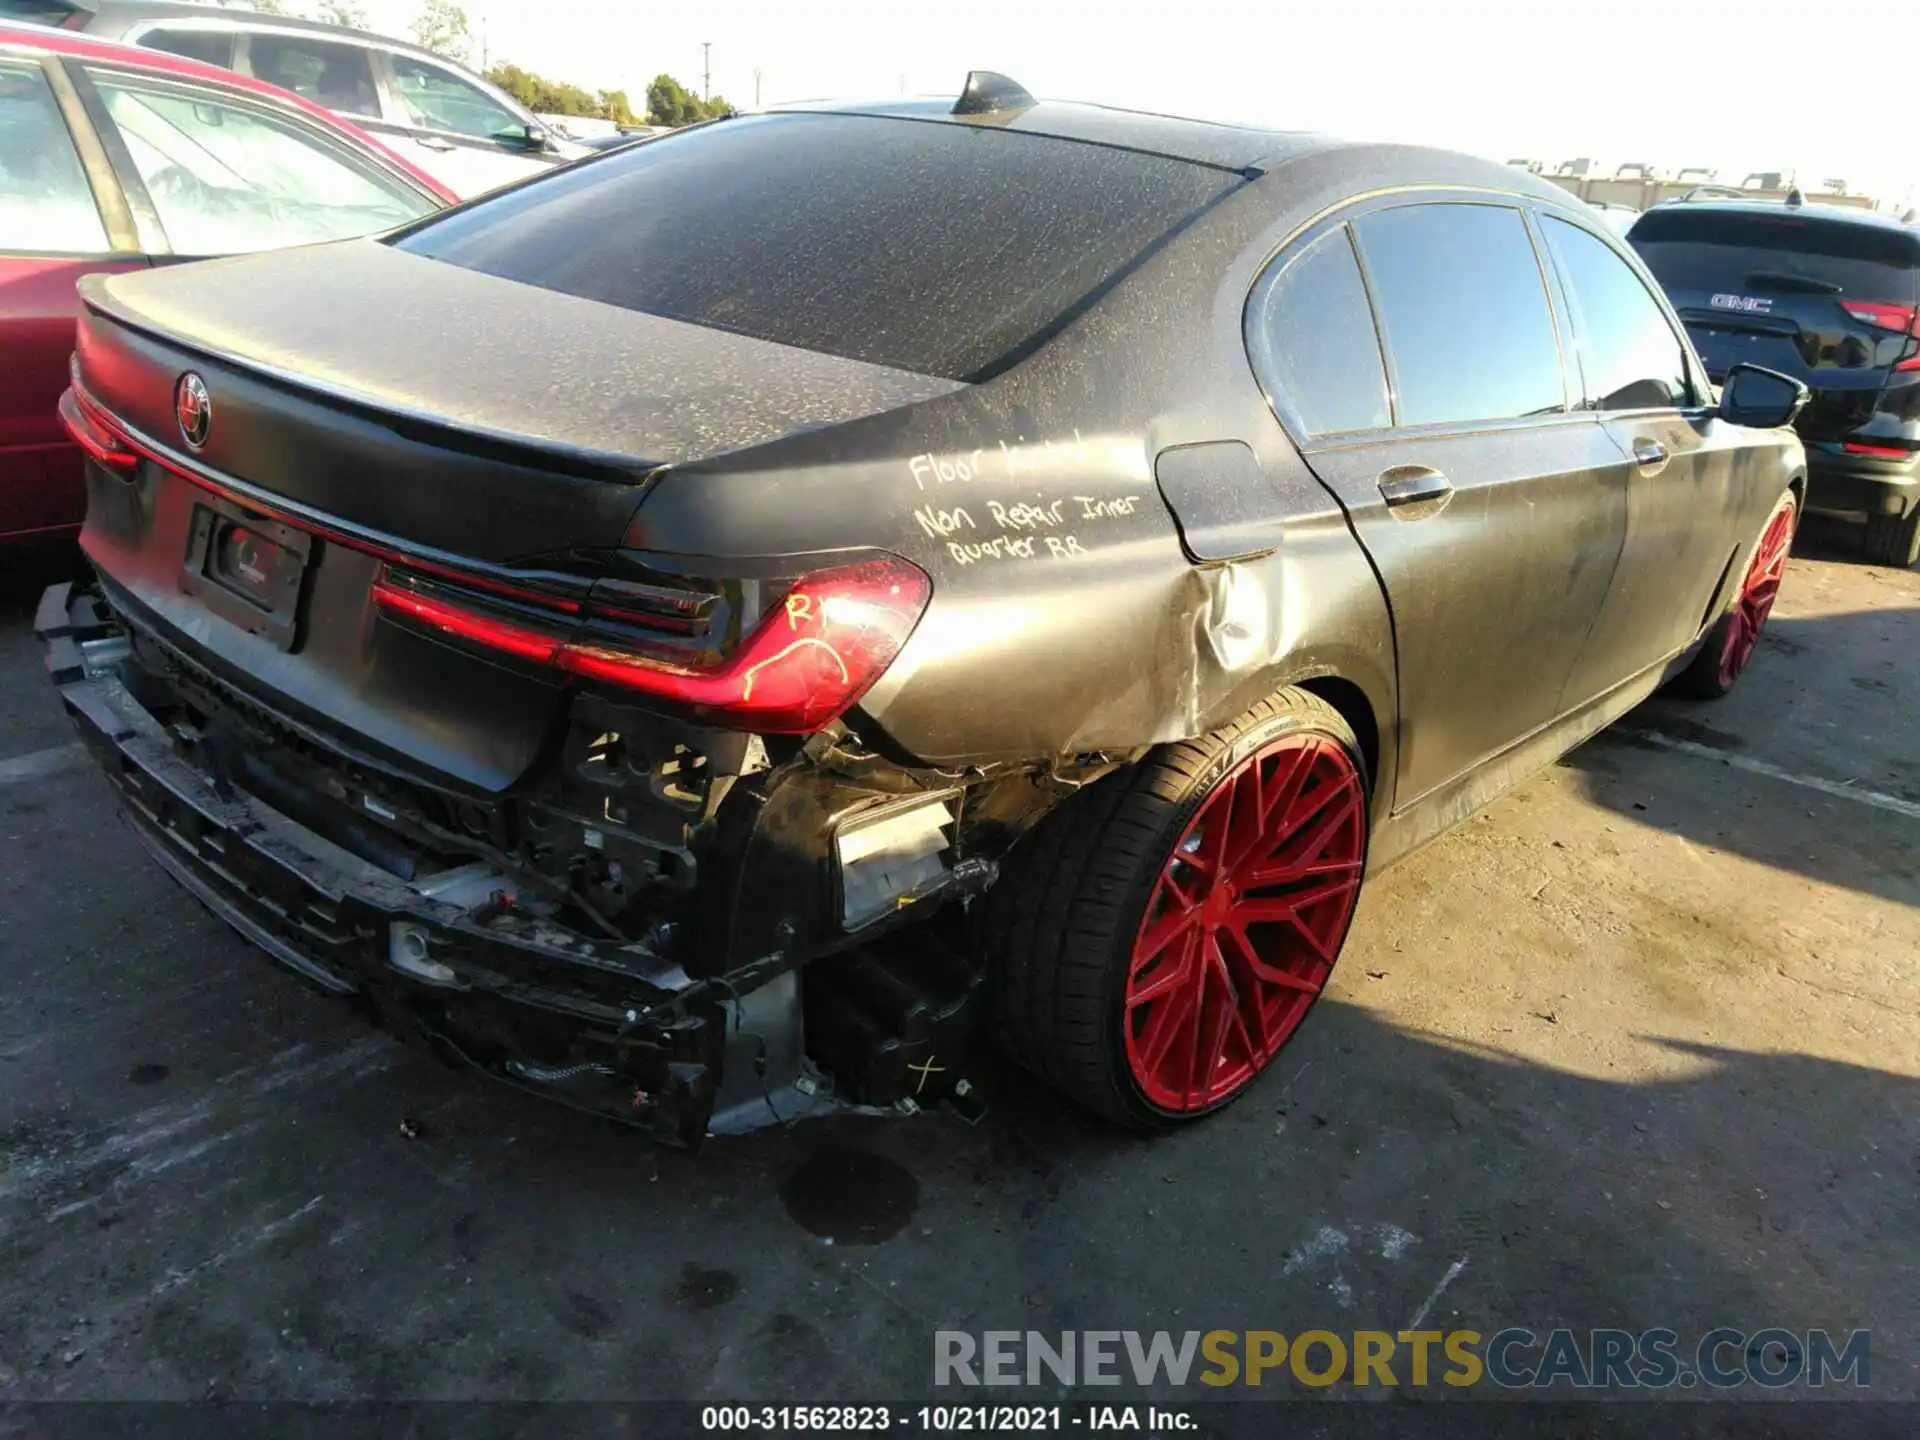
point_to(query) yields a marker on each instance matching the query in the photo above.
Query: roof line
(1245, 172)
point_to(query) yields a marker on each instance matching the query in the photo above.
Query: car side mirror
(539, 138)
(1764, 399)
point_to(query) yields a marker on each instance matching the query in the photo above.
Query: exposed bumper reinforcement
(616, 1029)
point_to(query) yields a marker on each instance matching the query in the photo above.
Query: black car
(1830, 296)
(620, 139)
(705, 632)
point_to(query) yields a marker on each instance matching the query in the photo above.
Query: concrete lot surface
(1638, 1047)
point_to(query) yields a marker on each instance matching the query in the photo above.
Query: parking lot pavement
(1635, 1048)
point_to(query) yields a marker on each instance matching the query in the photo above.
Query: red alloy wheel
(1757, 594)
(1244, 922)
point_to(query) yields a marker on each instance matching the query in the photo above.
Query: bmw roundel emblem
(193, 407)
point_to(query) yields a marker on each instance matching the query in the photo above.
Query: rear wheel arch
(1731, 642)
(1357, 710)
(1059, 925)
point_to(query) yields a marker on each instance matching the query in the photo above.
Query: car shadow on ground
(177, 1210)
(27, 569)
(1827, 701)
(572, 1260)
(1830, 537)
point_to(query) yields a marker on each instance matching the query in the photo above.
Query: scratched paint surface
(1638, 1048)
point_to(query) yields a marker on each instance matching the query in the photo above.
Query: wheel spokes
(1175, 1009)
(1247, 1000)
(1325, 817)
(1286, 908)
(1246, 917)
(1266, 973)
(1757, 594)
(1162, 933)
(1209, 1039)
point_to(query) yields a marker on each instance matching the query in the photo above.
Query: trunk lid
(374, 409)
(381, 345)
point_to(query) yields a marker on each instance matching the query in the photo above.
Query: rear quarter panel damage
(1067, 617)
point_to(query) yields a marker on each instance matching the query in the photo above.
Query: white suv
(464, 132)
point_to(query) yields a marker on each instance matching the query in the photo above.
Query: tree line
(442, 27)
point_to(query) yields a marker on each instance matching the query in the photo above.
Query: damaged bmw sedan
(703, 634)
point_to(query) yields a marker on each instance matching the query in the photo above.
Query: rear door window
(46, 205)
(330, 74)
(1629, 356)
(1314, 342)
(943, 248)
(226, 177)
(38, 12)
(1463, 311)
(211, 47)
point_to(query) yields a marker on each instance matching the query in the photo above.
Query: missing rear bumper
(446, 940)
(611, 1027)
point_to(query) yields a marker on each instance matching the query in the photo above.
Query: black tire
(1893, 540)
(1059, 925)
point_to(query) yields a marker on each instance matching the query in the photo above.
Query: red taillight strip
(117, 432)
(464, 624)
(1890, 315)
(808, 661)
(1881, 314)
(475, 579)
(1878, 452)
(102, 444)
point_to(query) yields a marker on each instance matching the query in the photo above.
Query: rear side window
(1313, 339)
(441, 100)
(1629, 355)
(1732, 251)
(331, 75)
(1463, 311)
(226, 177)
(211, 47)
(46, 205)
(942, 248)
(39, 12)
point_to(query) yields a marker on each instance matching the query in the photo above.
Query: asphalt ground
(1637, 1047)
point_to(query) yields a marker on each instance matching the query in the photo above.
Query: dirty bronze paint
(851, 1197)
(520, 702)
(703, 1289)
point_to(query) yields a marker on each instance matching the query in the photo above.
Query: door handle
(433, 142)
(1650, 455)
(1410, 484)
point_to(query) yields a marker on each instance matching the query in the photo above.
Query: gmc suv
(1828, 296)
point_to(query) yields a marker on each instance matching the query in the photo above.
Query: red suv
(113, 158)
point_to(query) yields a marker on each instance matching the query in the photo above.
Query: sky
(1741, 86)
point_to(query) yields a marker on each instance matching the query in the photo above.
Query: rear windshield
(943, 248)
(1718, 251)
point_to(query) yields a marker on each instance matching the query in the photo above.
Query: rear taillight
(1877, 452)
(91, 433)
(812, 657)
(1882, 315)
(523, 642)
(1885, 315)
